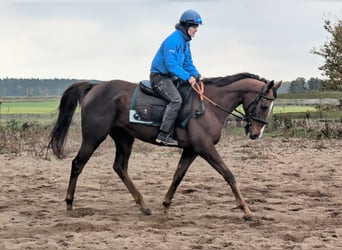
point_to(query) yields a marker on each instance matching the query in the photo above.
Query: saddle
(147, 106)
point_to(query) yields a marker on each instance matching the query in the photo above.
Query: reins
(199, 88)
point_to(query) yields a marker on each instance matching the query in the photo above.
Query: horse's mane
(224, 80)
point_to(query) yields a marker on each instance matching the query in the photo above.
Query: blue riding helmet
(191, 17)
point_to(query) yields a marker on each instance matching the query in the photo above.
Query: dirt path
(294, 187)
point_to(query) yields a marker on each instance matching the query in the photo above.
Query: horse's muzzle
(254, 136)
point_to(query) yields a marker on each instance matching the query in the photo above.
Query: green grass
(29, 107)
(45, 106)
(293, 109)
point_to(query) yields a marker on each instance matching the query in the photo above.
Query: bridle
(250, 114)
(251, 111)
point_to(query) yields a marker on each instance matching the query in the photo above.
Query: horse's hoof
(237, 207)
(69, 207)
(146, 211)
(248, 217)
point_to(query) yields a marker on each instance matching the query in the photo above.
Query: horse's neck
(223, 99)
(232, 95)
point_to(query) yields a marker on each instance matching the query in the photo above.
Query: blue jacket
(174, 56)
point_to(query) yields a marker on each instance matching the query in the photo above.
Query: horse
(105, 111)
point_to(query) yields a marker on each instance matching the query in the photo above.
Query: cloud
(116, 39)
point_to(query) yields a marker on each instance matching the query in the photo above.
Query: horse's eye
(264, 107)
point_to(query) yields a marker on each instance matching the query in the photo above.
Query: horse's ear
(273, 85)
(277, 85)
(270, 85)
(275, 88)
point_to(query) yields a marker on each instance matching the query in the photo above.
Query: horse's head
(257, 110)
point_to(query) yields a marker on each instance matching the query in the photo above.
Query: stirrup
(166, 139)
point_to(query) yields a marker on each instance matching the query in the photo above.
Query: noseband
(251, 111)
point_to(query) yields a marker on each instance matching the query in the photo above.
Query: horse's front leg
(215, 160)
(186, 159)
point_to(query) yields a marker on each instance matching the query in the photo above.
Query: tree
(297, 86)
(331, 51)
(314, 84)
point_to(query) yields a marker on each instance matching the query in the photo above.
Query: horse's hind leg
(186, 159)
(124, 143)
(78, 163)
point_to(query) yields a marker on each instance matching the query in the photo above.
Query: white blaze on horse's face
(260, 115)
(262, 109)
(270, 109)
(268, 114)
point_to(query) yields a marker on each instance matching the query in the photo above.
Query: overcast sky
(107, 40)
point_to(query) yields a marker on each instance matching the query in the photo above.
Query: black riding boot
(166, 139)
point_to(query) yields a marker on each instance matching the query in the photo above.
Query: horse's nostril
(254, 136)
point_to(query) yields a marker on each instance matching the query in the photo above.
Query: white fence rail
(308, 102)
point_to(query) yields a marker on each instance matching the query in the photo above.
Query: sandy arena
(293, 186)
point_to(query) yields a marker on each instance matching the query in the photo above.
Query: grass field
(293, 109)
(42, 108)
(46, 107)
(26, 107)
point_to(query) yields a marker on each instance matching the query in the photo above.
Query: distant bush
(32, 137)
(29, 137)
(306, 127)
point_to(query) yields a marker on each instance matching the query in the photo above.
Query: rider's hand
(192, 81)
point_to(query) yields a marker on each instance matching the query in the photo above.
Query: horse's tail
(70, 98)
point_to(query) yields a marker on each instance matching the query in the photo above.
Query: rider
(173, 59)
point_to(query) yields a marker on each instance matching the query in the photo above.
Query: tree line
(34, 86)
(301, 85)
(55, 87)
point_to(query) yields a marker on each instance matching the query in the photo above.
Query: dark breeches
(165, 87)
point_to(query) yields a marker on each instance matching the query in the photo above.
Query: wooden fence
(309, 102)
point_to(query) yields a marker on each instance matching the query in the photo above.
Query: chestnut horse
(105, 111)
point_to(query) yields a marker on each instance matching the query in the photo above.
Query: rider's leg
(166, 88)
